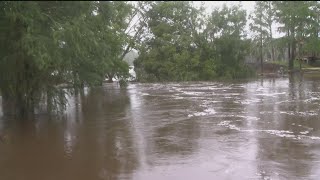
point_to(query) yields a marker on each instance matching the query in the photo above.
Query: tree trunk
(8, 105)
(110, 76)
(293, 47)
(24, 106)
(271, 44)
(261, 55)
(271, 35)
(49, 101)
(289, 51)
(272, 51)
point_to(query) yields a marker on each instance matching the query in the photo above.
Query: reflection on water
(263, 129)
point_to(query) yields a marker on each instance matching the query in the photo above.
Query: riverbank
(280, 68)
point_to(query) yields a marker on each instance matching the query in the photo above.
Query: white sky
(248, 5)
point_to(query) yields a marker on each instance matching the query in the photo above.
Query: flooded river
(257, 129)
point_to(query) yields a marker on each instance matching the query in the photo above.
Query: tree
(47, 44)
(132, 26)
(309, 42)
(226, 31)
(262, 27)
(194, 48)
(293, 15)
(169, 51)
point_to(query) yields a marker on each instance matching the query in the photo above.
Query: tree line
(46, 44)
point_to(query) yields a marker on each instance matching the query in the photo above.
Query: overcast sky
(248, 5)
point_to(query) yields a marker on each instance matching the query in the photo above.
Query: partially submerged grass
(296, 64)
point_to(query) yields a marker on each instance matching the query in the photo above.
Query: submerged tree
(46, 44)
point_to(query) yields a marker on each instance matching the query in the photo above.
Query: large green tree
(49, 43)
(169, 51)
(228, 38)
(308, 38)
(293, 16)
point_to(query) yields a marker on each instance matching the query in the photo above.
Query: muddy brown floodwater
(257, 129)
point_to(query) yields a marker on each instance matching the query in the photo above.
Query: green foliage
(49, 43)
(193, 48)
(300, 22)
(261, 25)
(170, 54)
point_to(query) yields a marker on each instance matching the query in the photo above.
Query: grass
(296, 64)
